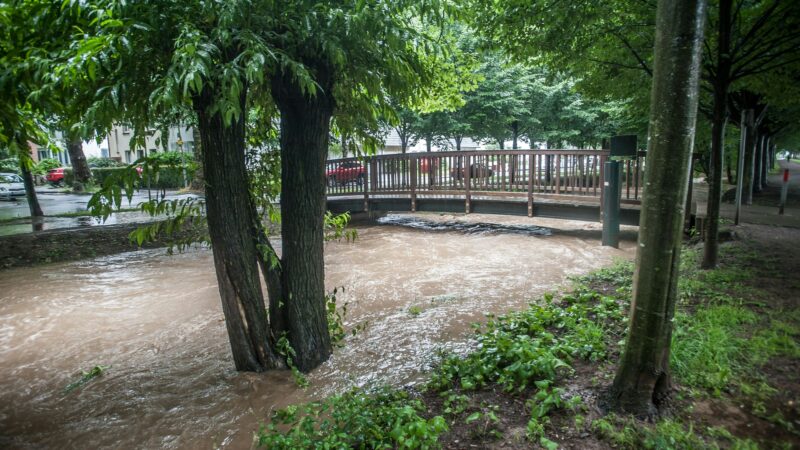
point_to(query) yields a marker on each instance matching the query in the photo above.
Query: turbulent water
(157, 322)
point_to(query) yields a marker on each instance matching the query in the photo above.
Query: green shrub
(165, 178)
(95, 162)
(9, 165)
(43, 166)
(386, 419)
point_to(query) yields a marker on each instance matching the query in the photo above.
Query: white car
(11, 186)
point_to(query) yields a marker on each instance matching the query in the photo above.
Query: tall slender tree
(643, 380)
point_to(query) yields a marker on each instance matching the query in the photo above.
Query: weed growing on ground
(719, 344)
(358, 419)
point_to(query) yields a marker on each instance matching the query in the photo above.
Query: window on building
(128, 156)
(126, 130)
(139, 154)
(43, 154)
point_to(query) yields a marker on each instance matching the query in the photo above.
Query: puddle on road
(157, 321)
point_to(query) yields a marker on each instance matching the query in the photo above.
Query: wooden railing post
(602, 181)
(373, 181)
(467, 177)
(367, 180)
(531, 166)
(413, 163)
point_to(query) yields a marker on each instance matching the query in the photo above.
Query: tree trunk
(757, 163)
(305, 124)
(514, 134)
(30, 187)
(642, 380)
(749, 162)
(198, 182)
(233, 228)
(764, 161)
(718, 120)
(80, 168)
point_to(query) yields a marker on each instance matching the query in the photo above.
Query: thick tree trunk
(718, 121)
(305, 124)
(198, 182)
(30, 189)
(233, 228)
(642, 380)
(80, 168)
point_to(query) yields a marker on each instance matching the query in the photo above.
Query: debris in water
(465, 227)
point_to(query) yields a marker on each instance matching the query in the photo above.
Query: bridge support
(611, 194)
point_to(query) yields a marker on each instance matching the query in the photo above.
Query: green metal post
(611, 193)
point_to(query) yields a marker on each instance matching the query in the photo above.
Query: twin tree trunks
(296, 287)
(642, 381)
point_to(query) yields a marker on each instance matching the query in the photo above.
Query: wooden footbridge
(566, 184)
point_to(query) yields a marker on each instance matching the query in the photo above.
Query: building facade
(178, 139)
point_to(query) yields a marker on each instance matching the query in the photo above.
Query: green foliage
(665, 435)
(86, 376)
(357, 419)
(9, 165)
(336, 315)
(43, 166)
(95, 162)
(163, 178)
(521, 348)
(285, 349)
(336, 227)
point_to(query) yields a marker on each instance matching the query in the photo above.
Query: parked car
(345, 173)
(11, 186)
(55, 176)
(476, 170)
(425, 163)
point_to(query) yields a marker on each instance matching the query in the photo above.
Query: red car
(345, 172)
(425, 163)
(55, 176)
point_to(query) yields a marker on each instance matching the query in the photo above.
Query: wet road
(53, 203)
(157, 321)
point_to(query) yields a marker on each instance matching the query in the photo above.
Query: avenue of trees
(751, 58)
(290, 75)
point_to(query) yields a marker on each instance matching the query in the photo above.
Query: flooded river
(157, 322)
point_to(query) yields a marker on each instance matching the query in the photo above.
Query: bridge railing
(482, 173)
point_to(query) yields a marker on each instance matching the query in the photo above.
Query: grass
(724, 336)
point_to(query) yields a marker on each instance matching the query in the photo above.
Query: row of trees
(751, 58)
(514, 102)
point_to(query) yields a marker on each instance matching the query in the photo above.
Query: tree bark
(305, 125)
(80, 168)
(718, 120)
(30, 187)
(749, 163)
(757, 163)
(764, 161)
(233, 228)
(642, 381)
(198, 182)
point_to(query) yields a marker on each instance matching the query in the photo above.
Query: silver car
(11, 186)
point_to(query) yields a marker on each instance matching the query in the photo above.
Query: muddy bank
(157, 322)
(69, 244)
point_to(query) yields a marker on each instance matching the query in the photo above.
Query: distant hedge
(168, 177)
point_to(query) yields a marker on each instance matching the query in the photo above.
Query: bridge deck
(544, 183)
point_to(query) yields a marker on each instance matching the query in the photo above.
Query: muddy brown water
(156, 320)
